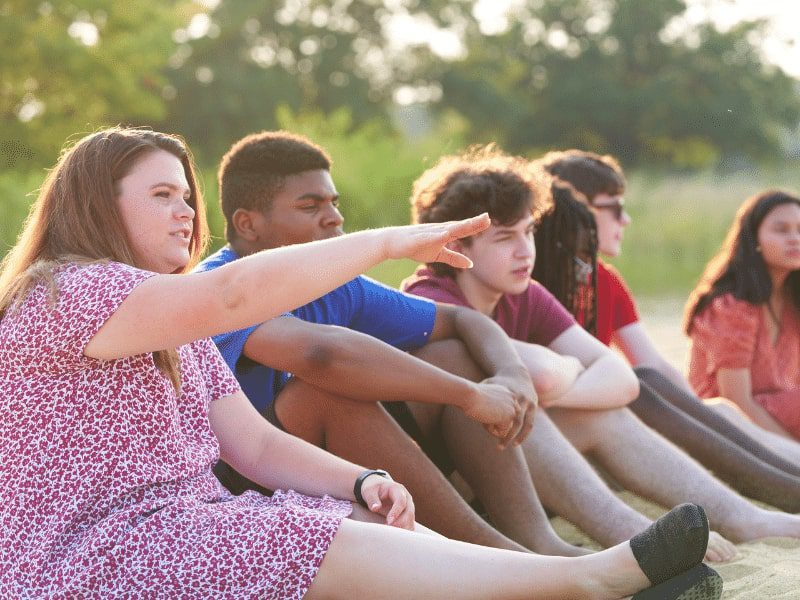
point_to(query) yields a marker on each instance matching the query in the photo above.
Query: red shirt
(615, 305)
(533, 316)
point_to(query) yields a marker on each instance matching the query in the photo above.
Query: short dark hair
(256, 168)
(589, 173)
(482, 179)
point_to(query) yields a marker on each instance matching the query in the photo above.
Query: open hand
(427, 242)
(386, 497)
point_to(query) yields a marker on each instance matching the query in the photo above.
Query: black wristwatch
(360, 481)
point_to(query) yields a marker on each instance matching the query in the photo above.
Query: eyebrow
(316, 197)
(171, 186)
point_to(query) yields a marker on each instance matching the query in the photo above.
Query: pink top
(733, 334)
(106, 487)
(533, 316)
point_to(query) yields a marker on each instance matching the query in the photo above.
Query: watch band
(360, 481)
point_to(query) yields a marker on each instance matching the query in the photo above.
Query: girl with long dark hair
(743, 318)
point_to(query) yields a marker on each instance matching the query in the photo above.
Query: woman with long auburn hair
(743, 315)
(114, 406)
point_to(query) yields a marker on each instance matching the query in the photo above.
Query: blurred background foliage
(697, 117)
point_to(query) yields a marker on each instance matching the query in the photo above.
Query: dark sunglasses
(617, 208)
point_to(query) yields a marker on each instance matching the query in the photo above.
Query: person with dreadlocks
(566, 247)
(601, 180)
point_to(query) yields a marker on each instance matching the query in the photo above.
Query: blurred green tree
(70, 67)
(623, 76)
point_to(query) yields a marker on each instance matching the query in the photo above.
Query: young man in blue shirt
(345, 352)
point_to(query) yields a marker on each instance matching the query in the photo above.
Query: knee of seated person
(451, 355)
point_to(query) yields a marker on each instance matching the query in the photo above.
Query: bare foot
(719, 549)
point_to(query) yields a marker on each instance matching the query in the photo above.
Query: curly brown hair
(482, 179)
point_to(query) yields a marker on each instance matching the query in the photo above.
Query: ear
(243, 223)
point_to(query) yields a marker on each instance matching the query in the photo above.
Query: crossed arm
(577, 371)
(361, 367)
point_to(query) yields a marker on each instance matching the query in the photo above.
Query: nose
(525, 248)
(625, 218)
(184, 211)
(332, 217)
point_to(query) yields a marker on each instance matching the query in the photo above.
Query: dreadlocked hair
(562, 234)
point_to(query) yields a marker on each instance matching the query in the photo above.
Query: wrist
(359, 483)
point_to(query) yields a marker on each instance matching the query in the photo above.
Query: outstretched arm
(167, 311)
(637, 346)
(277, 460)
(607, 382)
(356, 365)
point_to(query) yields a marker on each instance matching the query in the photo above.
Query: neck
(480, 297)
(778, 277)
(243, 247)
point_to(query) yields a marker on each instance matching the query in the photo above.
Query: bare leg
(373, 561)
(695, 408)
(779, 444)
(364, 433)
(729, 461)
(569, 486)
(500, 479)
(649, 465)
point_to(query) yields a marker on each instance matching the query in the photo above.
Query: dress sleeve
(87, 295)
(220, 380)
(727, 331)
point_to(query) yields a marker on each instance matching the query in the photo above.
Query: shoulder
(725, 312)
(223, 256)
(427, 284)
(105, 278)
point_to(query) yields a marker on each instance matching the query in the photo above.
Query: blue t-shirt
(399, 319)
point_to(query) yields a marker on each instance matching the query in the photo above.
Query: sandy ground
(766, 569)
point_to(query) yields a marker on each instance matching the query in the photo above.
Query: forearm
(552, 374)
(242, 282)
(364, 368)
(607, 383)
(284, 461)
(759, 415)
(491, 349)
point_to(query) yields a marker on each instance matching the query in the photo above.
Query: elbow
(322, 353)
(544, 382)
(629, 387)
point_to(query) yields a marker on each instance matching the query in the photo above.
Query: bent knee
(451, 355)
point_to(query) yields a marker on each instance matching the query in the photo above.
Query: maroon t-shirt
(533, 316)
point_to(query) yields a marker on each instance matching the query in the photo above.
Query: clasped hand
(505, 406)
